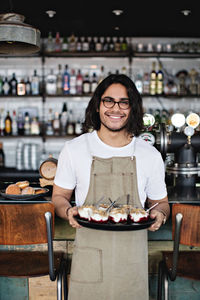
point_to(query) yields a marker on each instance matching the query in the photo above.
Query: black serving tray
(24, 197)
(115, 227)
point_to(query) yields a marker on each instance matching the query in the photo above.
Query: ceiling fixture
(186, 12)
(51, 13)
(117, 12)
(16, 37)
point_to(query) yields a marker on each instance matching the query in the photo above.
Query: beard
(115, 129)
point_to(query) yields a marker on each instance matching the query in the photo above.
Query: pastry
(29, 190)
(40, 191)
(22, 184)
(13, 189)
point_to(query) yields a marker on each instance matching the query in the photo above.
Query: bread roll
(22, 184)
(13, 189)
(29, 190)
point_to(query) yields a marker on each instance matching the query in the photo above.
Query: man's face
(115, 118)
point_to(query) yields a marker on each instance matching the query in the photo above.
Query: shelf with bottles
(165, 55)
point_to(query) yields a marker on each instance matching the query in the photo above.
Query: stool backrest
(23, 224)
(190, 228)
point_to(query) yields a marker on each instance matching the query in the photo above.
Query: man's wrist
(67, 210)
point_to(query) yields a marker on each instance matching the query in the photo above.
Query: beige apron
(110, 265)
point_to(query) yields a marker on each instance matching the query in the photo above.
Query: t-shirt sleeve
(65, 175)
(156, 186)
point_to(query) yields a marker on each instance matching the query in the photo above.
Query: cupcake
(85, 211)
(98, 215)
(138, 215)
(118, 215)
(103, 207)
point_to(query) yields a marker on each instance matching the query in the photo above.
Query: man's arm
(161, 212)
(61, 199)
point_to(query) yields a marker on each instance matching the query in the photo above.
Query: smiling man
(111, 162)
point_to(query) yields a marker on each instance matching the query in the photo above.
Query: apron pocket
(87, 265)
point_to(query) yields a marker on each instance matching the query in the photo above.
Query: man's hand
(71, 212)
(159, 219)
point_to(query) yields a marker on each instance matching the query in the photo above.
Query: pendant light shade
(16, 37)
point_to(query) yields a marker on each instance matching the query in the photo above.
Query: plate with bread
(22, 190)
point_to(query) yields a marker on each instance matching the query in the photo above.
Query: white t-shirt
(74, 164)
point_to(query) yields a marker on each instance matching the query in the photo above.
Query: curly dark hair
(135, 121)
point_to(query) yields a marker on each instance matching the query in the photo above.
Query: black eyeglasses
(110, 103)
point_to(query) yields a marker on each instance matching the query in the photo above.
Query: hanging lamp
(16, 37)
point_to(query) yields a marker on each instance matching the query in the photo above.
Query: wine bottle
(13, 85)
(2, 156)
(153, 76)
(8, 124)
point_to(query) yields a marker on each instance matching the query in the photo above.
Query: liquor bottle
(117, 45)
(153, 75)
(70, 124)
(101, 75)
(92, 45)
(160, 81)
(78, 127)
(86, 84)
(34, 127)
(124, 44)
(78, 44)
(94, 82)
(146, 84)
(138, 83)
(35, 83)
(72, 82)
(58, 44)
(98, 45)
(2, 156)
(72, 43)
(111, 44)
(51, 83)
(28, 86)
(65, 45)
(49, 123)
(8, 124)
(64, 119)
(56, 124)
(6, 87)
(2, 124)
(13, 85)
(20, 124)
(50, 44)
(85, 44)
(21, 88)
(66, 81)
(27, 124)
(59, 89)
(1, 85)
(106, 44)
(79, 83)
(14, 123)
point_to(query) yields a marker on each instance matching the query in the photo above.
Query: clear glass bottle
(14, 123)
(66, 81)
(51, 83)
(27, 124)
(50, 43)
(6, 87)
(56, 124)
(49, 123)
(72, 82)
(35, 83)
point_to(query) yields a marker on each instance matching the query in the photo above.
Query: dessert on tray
(118, 215)
(138, 215)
